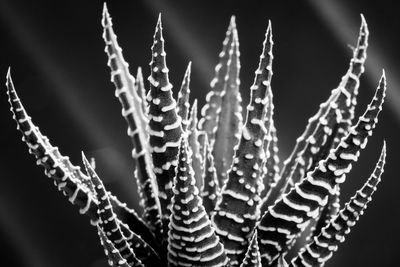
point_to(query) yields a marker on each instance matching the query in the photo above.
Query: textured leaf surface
(114, 257)
(253, 257)
(338, 128)
(165, 125)
(229, 118)
(191, 239)
(132, 247)
(237, 212)
(321, 248)
(279, 226)
(132, 111)
(209, 112)
(183, 105)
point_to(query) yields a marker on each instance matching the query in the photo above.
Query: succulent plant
(213, 190)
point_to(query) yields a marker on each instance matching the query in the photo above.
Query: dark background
(59, 69)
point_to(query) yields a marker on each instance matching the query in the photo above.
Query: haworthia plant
(212, 189)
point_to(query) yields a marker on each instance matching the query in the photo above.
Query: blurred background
(59, 68)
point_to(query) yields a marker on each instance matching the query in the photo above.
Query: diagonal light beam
(335, 16)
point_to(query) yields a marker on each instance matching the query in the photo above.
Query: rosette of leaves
(212, 187)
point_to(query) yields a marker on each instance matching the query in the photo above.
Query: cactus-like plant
(212, 189)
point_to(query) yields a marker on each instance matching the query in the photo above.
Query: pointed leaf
(114, 257)
(321, 248)
(133, 113)
(348, 88)
(191, 239)
(209, 112)
(110, 225)
(165, 125)
(237, 212)
(229, 116)
(253, 257)
(141, 91)
(290, 214)
(351, 81)
(77, 192)
(183, 105)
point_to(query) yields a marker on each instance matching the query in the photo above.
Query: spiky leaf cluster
(212, 187)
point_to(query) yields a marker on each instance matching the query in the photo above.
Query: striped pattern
(347, 87)
(229, 162)
(164, 126)
(279, 226)
(58, 168)
(132, 220)
(209, 112)
(327, 213)
(351, 81)
(307, 159)
(114, 257)
(182, 107)
(253, 257)
(191, 237)
(133, 113)
(238, 211)
(131, 247)
(229, 115)
(322, 247)
(210, 191)
(77, 192)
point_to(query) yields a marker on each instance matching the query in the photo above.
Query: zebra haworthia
(229, 217)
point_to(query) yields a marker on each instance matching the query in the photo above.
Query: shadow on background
(59, 69)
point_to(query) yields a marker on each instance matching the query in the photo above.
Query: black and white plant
(213, 190)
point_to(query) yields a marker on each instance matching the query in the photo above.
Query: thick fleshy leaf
(133, 113)
(114, 257)
(164, 126)
(347, 87)
(209, 112)
(253, 257)
(183, 105)
(321, 247)
(191, 238)
(210, 190)
(77, 192)
(351, 81)
(229, 119)
(140, 251)
(289, 215)
(238, 211)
